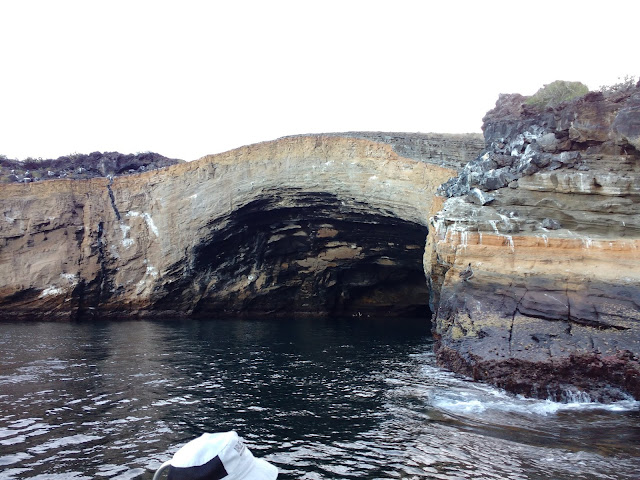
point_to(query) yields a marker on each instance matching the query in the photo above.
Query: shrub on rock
(556, 93)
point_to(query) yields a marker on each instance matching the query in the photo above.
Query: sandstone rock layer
(548, 217)
(310, 225)
(543, 214)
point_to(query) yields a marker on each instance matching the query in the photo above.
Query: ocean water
(322, 399)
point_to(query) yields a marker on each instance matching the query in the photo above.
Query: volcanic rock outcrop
(549, 218)
(311, 225)
(80, 166)
(544, 213)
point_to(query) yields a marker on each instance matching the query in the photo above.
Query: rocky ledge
(80, 166)
(548, 219)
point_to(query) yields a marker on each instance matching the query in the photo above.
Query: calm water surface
(320, 399)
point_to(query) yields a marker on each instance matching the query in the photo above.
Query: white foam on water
(14, 458)
(70, 440)
(467, 397)
(518, 404)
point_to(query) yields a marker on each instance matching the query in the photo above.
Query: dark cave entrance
(311, 254)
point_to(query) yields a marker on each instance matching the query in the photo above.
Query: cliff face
(548, 217)
(311, 225)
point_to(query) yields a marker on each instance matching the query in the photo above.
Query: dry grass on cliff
(625, 84)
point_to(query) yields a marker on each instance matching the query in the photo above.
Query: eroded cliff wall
(548, 218)
(544, 212)
(311, 225)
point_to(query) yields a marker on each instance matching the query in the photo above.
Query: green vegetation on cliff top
(557, 92)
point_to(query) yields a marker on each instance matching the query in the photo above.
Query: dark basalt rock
(580, 342)
(551, 224)
(315, 258)
(81, 166)
(521, 140)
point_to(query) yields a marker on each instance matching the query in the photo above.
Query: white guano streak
(148, 220)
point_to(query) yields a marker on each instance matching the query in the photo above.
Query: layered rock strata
(448, 150)
(311, 225)
(548, 218)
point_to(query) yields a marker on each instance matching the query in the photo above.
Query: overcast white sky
(189, 78)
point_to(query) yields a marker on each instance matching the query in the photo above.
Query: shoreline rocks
(554, 305)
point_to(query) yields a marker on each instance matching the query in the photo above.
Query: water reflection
(324, 399)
